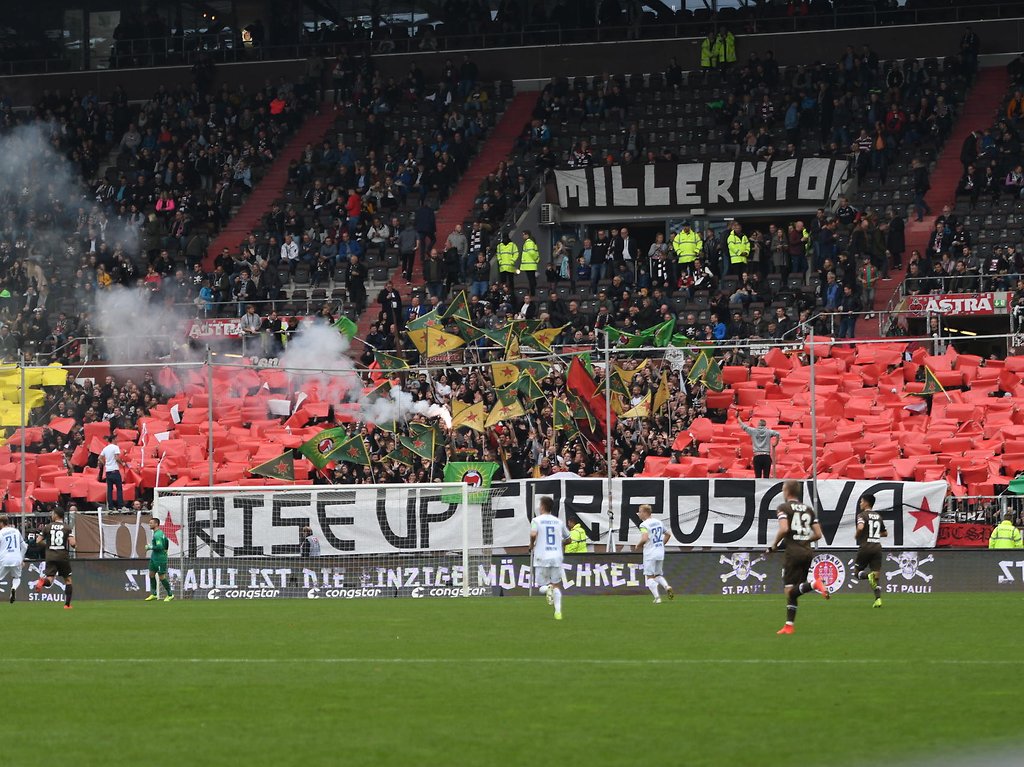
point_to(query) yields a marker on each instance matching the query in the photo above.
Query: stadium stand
(387, 150)
(179, 164)
(376, 141)
(161, 36)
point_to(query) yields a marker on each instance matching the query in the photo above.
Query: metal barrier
(965, 283)
(228, 45)
(983, 509)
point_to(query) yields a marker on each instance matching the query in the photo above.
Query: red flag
(80, 457)
(582, 385)
(63, 425)
(168, 380)
(776, 358)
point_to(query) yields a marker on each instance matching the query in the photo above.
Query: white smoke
(319, 352)
(400, 406)
(39, 185)
(135, 328)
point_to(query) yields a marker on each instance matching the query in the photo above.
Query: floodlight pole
(608, 432)
(814, 425)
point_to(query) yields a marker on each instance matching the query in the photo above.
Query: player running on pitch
(799, 527)
(59, 541)
(870, 532)
(547, 533)
(157, 549)
(653, 537)
(12, 554)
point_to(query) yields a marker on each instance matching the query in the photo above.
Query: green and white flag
(476, 474)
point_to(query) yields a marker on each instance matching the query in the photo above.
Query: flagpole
(24, 438)
(608, 431)
(209, 414)
(814, 426)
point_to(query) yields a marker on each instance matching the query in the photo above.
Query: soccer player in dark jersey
(799, 528)
(870, 532)
(59, 542)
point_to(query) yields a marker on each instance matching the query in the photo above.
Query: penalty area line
(586, 661)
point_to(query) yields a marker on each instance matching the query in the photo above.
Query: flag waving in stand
(931, 384)
(281, 467)
(319, 449)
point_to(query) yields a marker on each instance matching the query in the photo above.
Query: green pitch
(697, 681)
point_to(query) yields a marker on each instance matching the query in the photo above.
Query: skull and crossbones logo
(39, 568)
(908, 565)
(742, 566)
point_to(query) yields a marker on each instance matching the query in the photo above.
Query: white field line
(541, 661)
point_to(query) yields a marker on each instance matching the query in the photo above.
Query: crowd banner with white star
(705, 513)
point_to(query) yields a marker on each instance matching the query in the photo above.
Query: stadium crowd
(732, 287)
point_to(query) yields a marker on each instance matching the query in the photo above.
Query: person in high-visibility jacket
(717, 51)
(507, 254)
(529, 261)
(707, 48)
(1005, 535)
(577, 538)
(728, 47)
(739, 249)
(686, 245)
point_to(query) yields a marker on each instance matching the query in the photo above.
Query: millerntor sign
(806, 181)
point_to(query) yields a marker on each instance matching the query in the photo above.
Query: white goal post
(410, 540)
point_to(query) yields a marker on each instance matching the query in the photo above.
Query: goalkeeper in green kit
(158, 561)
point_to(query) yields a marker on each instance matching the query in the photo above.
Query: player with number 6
(799, 528)
(547, 533)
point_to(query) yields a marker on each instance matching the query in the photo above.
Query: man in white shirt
(528, 310)
(12, 554)
(110, 457)
(290, 255)
(547, 533)
(653, 537)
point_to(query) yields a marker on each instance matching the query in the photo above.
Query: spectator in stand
(355, 282)
(390, 301)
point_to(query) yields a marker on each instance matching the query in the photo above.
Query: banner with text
(740, 573)
(806, 181)
(351, 519)
(957, 304)
(363, 519)
(753, 572)
(719, 513)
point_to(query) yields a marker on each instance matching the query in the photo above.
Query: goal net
(340, 542)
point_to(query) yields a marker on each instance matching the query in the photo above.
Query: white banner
(700, 513)
(358, 519)
(806, 181)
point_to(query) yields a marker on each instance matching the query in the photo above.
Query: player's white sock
(558, 599)
(652, 586)
(15, 583)
(543, 589)
(660, 580)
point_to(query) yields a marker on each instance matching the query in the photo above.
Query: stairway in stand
(270, 187)
(978, 113)
(459, 205)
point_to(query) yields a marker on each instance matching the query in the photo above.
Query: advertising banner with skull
(741, 573)
(735, 574)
